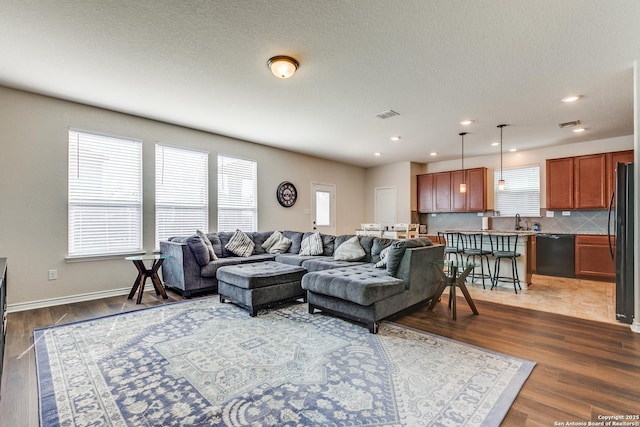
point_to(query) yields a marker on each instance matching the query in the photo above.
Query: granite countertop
(520, 232)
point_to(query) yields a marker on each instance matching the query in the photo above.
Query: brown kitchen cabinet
(583, 182)
(593, 257)
(439, 192)
(612, 160)
(590, 182)
(560, 183)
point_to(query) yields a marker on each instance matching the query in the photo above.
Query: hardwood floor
(584, 368)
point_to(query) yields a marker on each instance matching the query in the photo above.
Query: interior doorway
(385, 206)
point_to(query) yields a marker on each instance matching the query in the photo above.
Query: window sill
(88, 258)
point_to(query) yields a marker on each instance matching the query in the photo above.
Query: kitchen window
(182, 192)
(104, 195)
(237, 194)
(521, 194)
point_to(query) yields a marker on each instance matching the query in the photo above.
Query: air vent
(387, 114)
(569, 124)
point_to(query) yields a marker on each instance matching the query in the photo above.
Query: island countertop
(489, 232)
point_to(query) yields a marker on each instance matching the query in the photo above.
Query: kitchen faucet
(518, 227)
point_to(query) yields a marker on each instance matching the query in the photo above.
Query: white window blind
(521, 194)
(237, 194)
(182, 192)
(105, 194)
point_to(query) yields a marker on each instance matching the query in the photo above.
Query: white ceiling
(202, 64)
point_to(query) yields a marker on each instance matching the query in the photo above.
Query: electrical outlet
(549, 214)
(53, 274)
(566, 213)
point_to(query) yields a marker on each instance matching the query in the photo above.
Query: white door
(323, 208)
(385, 206)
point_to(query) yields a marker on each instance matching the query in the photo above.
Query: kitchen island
(524, 248)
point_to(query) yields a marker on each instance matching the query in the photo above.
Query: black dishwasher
(555, 254)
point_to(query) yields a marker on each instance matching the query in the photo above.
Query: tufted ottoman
(257, 285)
(360, 293)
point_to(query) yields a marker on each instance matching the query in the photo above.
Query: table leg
(134, 288)
(440, 289)
(157, 284)
(460, 282)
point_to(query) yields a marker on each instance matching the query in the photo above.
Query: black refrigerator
(624, 241)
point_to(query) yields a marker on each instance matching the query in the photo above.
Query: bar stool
(452, 244)
(473, 246)
(505, 246)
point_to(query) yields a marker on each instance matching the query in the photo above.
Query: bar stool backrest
(475, 243)
(505, 243)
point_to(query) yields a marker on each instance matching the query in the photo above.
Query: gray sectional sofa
(356, 289)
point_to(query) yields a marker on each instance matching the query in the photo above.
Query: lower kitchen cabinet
(593, 258)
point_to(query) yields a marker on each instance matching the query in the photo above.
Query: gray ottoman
(257, 285)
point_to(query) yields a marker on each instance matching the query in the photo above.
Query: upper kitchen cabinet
(583, 182)
(590, 182)
(560, 183)
(439, 192)
(612, 161)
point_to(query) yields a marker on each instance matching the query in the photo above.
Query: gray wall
(33, 172)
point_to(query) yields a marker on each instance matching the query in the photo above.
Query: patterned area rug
(202, 363)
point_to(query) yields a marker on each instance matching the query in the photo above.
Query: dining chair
(373, 230)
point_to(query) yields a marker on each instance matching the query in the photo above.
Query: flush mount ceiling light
(466, 122)
(501, 181)
(377, 154)
(578, 130)
(282, 66)
(463, 184)
(433, 154)
(396, 138)
(571, 98)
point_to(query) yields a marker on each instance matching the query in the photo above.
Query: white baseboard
(31, 305)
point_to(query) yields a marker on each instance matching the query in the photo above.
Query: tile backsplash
(578, 222)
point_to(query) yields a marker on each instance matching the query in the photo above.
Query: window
(237, 198)
(182, 192)
(105, 194)
(521, 194)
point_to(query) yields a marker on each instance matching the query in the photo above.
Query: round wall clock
(286, 194)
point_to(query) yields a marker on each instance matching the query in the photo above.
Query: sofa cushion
(311, 245)
(377, 246)
(199, 249)
(295, 259)
(398, 249)
(326, 263)
(210, 269)
(240, 244)
(351, 250)
(208, 244)
(296, 240)
(258, 238)
(362, 284)
(276, 243)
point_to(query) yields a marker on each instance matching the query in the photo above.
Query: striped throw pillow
(240, 244)
(383, 257)
(311, 245)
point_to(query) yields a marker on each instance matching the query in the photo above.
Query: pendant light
(501, 181)
(463, 184)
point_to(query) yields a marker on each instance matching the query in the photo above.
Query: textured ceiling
(202, 64)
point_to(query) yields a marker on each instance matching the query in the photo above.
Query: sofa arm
(418, 270)
(180, 261)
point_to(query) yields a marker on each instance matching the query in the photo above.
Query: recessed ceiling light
(433, 154)
(377, 154)
(466, 122)
(571, 98)
(513, 149)
(396, 138)
(578, 130)
(495, 144)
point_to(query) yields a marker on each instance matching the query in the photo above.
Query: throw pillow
(351, 250)
(311, 245)
(240, 244)
(383, 257)
(207, 242)
(276, 243)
